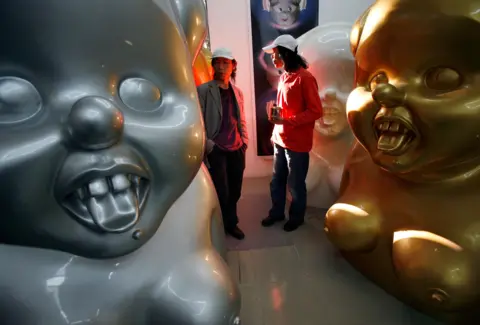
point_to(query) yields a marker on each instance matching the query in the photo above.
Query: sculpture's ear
(303, 5)
(357, 30)
(266, 5)
(193, 18)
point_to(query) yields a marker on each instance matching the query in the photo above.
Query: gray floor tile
(299, 278)
(251, 209)
(252, 309)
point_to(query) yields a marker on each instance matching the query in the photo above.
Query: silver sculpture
(107, 216)
(327, 50)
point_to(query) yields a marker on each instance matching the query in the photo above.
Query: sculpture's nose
(95, 123)
(388, 96)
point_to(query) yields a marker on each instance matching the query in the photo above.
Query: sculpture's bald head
(326, 50)
(100, 130)
(418, 79)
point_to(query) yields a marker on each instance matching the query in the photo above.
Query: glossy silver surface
(100, 134)
(193, 18)
(82, 107)
(327, 50)
(176, 278)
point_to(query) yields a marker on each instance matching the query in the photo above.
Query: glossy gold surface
(193, 18)
(202, 68)
(408, 211)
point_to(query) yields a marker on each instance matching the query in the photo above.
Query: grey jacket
(211, 104)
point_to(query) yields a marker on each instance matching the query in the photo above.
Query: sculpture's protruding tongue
(391, 142)
(114, 212)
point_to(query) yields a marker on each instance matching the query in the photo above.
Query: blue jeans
(289, 167)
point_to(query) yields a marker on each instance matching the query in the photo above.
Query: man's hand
(269, 106)
(279, 121)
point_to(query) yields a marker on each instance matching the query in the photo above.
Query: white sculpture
(327, 50)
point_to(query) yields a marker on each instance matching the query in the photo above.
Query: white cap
(287, 41)
(223, 52)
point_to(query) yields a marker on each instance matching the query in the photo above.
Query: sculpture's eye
(140, 94)
(19, 100)
(443, 79)
(380, 78)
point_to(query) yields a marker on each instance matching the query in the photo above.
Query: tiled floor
(299, 279)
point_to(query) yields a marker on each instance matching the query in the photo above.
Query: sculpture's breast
(435, 255)
(355, 222)
(423, 239)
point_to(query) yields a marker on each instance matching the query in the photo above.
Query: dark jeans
(226, 170)
(289, 167)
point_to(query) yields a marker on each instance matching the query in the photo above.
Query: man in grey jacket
(227, 139)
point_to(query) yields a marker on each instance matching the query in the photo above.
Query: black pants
(289, 167)
(226, 170)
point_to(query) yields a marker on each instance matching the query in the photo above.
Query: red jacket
(298, 96)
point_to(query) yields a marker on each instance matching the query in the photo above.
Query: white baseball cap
(287, 41)
(223, 52)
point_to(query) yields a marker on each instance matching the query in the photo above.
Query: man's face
(277, 59)
(416, 106)
(222, 68)
(284, 12)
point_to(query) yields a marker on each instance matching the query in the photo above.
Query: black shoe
(292, 225)
(236, 233)
(270, 221)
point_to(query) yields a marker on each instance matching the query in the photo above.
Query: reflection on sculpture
(193, 19)
(407, 215)
(106, 217)
(327, 50)
(202, 68)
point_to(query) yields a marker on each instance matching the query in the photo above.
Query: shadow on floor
(298, 278)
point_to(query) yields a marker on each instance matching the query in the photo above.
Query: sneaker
(270, 221)
(236, 233)
(292, 225)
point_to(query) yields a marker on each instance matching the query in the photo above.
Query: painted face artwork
(284, 13)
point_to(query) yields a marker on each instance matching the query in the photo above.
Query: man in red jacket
(292, 136)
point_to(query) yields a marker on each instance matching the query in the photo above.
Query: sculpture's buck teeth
(111, 202)
(98, 187)
(393, 136)
(120, 183)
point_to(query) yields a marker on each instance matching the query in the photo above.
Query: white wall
(230, 26)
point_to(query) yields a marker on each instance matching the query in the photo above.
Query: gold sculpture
(408, 213)
(202, 68)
